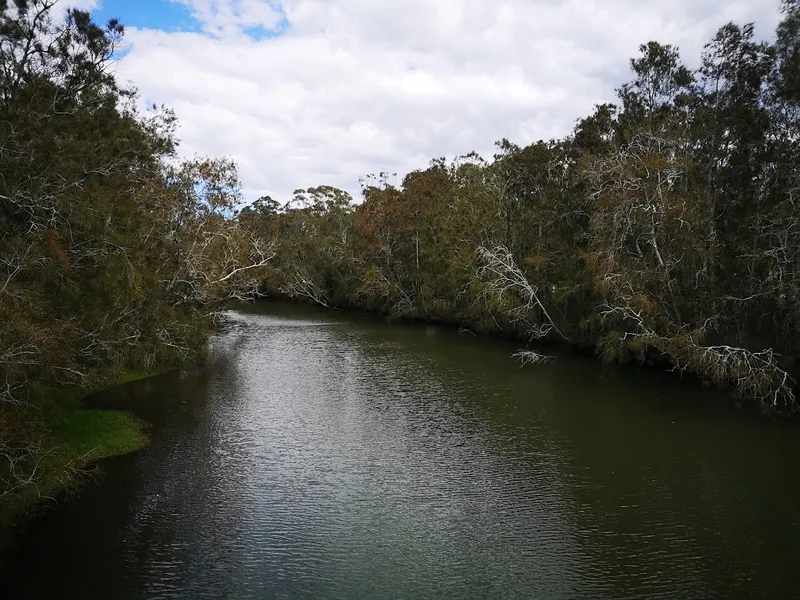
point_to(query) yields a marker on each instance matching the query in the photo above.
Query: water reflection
(326, 456)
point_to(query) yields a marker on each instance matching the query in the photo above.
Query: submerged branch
(529, 357)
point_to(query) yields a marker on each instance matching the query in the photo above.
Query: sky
(321, 92)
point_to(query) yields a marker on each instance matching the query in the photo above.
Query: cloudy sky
(310, 92)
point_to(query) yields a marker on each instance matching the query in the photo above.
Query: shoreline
(495, 331)
(73, 439)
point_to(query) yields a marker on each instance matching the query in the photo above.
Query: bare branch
(529, 357)
(504, 277)
(301, 285)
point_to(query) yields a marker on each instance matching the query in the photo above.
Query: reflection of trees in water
(654, 497)
(360, 455)
(181, 523)
(430, 435)
(663, 500)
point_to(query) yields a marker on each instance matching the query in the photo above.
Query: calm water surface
(323, 455)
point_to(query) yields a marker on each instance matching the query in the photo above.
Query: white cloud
(228, 17)
(82, 4)
(360, 86)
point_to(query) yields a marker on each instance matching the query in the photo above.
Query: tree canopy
(112, 251)
(665, 228)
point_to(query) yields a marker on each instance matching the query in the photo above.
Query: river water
(324, 455)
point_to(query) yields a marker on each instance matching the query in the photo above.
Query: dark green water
(323, 455)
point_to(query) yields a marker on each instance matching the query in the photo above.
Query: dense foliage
(112, 252)
(666, 228)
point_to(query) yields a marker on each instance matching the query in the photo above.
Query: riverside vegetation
(664, 229)
(113, 254)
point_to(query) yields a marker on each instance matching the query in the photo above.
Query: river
(331, 456)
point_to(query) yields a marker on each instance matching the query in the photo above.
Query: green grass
(95, 434)
(72, 438)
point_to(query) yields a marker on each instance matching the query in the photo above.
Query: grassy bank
(69, 441)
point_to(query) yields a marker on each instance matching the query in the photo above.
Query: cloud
(230, 17)
(310, 92)
(82, 4)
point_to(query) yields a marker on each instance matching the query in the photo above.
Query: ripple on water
(321, 458)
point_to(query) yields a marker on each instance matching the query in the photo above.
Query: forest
(664, 229)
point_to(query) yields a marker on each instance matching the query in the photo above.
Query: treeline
(665, 228)
(112, 252)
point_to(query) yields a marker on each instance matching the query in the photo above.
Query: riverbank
(336, 456)
(70, 439)
(500, 328)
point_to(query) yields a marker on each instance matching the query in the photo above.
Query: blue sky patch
(262, 33)
(166, 15)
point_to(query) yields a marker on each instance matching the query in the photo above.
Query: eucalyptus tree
(663, 229)
(110, 255)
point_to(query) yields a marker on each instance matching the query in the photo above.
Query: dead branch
(504, 277)
(529, 357)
